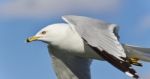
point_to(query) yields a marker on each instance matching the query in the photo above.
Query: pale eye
(43, 32)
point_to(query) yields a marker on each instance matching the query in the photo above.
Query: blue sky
(23, 18)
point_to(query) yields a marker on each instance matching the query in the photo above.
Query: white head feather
(52, 33)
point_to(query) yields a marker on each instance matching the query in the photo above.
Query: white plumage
(72, 45)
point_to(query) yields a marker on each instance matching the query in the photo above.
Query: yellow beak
(33, 38)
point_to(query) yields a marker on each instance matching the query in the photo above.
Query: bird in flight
(76, 42)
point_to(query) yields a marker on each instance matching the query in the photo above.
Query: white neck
(67, 38)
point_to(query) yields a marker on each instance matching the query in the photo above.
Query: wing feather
(68, 66)
(101, 38)
(137, 52)
(97, 33)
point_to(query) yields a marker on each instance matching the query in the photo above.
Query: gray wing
(101, 38)
(67, 66)
(97, 33)
(137, 52)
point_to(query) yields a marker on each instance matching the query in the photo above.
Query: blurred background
(20, 19)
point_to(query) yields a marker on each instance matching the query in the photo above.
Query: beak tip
(27, 40)
(30, 39)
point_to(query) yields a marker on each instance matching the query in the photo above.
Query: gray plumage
(97, 33)
(74, 44)
(69, 66)
(101, 38)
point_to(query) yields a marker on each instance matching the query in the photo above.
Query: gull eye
(43, 32)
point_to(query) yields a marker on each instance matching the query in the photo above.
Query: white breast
(73, 43)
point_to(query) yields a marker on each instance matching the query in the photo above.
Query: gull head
(50, 33)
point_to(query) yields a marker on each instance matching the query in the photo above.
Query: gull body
(61, 37)
(73, 45)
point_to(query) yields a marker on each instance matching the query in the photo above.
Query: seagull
(76, 42)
